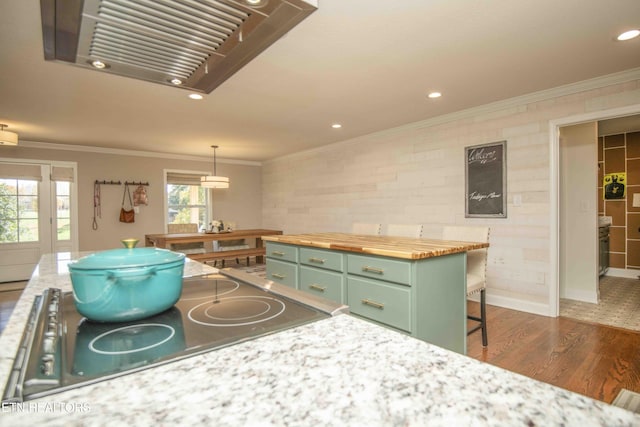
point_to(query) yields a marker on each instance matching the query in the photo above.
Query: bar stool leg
(483, 317)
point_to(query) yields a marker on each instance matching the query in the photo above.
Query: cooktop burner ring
(252, 316)
(235, 287)
(278, 306)
(93, 348)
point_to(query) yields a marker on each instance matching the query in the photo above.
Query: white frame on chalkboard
(503, 213)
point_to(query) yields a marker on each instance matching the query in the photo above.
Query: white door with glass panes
(38, 214)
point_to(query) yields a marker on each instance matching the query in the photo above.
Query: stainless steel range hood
(200, 43)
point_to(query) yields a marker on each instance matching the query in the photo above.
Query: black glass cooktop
(61, 349)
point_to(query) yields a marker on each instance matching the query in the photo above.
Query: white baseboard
(520, 305)
(623, 272)
(581, 295)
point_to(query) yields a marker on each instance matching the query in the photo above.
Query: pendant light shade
(214, 181)
(211, 181)
(6, 137)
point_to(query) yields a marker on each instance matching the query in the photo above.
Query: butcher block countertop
(389, 246)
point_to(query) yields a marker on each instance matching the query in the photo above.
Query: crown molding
(543, 95)
(123, 152)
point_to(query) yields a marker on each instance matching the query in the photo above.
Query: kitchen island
(417, 286)
(337, 371)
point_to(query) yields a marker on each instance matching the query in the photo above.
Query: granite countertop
(338, 371)
(389, 246)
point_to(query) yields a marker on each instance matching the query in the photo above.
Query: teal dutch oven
(122, 285)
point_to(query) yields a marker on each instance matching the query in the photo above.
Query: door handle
(372, 270)
(378, 305)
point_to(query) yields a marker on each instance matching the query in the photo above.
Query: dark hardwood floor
(593, 360)
(590, 359)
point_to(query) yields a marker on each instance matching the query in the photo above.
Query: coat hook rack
(108, 182)
(135, 183)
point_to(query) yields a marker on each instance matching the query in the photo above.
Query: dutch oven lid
(126, 258)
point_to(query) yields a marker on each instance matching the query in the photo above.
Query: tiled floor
(619, 304)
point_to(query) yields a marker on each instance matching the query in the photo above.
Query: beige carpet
(619, 304)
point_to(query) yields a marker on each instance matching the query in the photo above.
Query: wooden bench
(259, 253)
(166, 240)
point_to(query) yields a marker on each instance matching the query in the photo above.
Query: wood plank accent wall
(621, 153)
(414, 174)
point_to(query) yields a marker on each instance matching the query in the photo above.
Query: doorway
(557, 241)
(38, 214)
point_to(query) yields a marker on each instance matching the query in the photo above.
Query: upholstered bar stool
(405, 230)
(476, 269)
(365, 228)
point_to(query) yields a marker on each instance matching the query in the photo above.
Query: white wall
(241, 202)
(578, 266)
(415, 174)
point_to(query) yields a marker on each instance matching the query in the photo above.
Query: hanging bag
(127, 215)
(140, 196)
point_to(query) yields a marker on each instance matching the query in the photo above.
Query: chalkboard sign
(486, 180)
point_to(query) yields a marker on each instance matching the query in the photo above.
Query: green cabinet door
(326, 284)
(390, 270)
(282, 252)
(383, 302)
(282, 272)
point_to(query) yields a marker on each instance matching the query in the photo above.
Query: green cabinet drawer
(282, 272)
(282, 252)
(396, 271)
(385, 303)
(320, 258)
(326, 284)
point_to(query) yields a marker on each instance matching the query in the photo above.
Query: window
(63, 210)
(187, 202)
(18, 210)
(62, 179)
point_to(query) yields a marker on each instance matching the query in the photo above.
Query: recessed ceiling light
(195, 96)
(175, 81)
(433, 95)
(336, 125)
(628, 35)
(98, 64)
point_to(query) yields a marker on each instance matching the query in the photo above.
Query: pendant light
(6, 137)
(214, 181)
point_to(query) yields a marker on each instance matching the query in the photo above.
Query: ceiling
(365, 64)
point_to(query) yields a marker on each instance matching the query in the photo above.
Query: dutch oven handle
(142, 273)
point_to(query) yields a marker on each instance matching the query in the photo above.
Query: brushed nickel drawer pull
(317, 260)
(318, 287)
(277, 276)
(277, 253)
(373, 303)
(372, 270)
